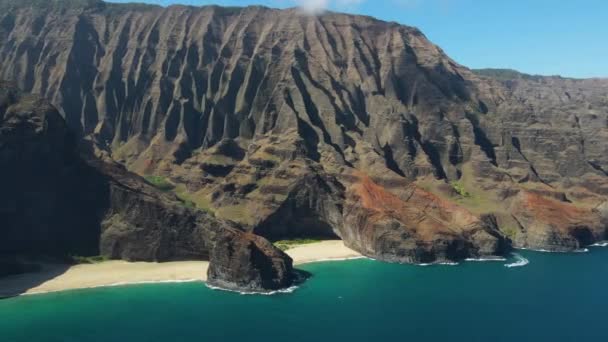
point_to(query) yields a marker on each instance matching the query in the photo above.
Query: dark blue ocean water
(556, 297)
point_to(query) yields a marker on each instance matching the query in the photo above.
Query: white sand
(55, 278)
(321, 251)
(103, 274)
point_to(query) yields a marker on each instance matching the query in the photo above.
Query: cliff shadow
(18, 283)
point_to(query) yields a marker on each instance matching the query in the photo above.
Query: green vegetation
(460, 190)
(188, 204)
(238, 213)
(193, 201)
(89, 260)
(510, 232)
(289, 244)
(160, 183)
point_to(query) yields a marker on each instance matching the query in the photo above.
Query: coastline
(57, 278)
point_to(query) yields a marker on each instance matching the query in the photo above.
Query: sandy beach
(53, 278)
(320, 251)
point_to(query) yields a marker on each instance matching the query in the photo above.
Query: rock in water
(247, 262)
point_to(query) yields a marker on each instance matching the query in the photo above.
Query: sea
(530, 296)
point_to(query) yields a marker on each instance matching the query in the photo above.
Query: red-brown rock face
(420, 228)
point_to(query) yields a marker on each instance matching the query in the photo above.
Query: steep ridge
(330, 125)
(57, 202)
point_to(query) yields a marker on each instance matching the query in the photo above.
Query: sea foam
(520, 261)
(537, 250)
(444, 263)
(486, 259)
(251, 293)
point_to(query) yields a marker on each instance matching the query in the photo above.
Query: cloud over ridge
(317, 6)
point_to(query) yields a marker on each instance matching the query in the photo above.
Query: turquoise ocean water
(556, 297)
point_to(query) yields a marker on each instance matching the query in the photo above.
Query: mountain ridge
(335, 125)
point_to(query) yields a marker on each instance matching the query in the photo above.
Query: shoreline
(113, 273)
(58, 278)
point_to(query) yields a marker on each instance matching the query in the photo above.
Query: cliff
(333, 125)
(58, 201)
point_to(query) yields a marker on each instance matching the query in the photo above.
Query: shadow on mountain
(17, 279)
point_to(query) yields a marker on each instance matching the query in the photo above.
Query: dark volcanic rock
(51, 201)
(247, 262)
(313, 207)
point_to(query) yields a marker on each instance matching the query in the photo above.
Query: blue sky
(547, 37)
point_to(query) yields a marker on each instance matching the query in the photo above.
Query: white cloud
(313, 6)
(317, 6)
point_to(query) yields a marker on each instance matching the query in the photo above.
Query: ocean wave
(536, 250)
(580, 250)
(443, 263)
(520, 261)
(486, 259)
(253, 293)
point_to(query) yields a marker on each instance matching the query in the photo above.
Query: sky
(545, 37)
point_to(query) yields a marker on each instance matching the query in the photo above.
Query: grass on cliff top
(469, 193)
(289, 244)
(160, 183)
(239, 213)
(460, 189)
(193, 201)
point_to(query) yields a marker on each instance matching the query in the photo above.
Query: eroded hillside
(332, 125)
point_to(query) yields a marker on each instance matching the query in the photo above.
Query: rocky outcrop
(59, 201)
(421, 229)
(273, 119)
(544, 223)
(49, 194)
(313, 207)
(248, 262)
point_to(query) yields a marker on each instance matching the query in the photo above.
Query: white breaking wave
(536, 250)
(249, 293)
(580, 250)
(486, 259)
(520, 261)
(439, 263)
